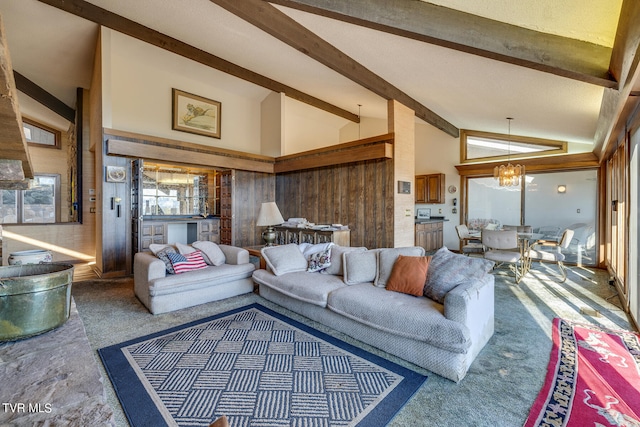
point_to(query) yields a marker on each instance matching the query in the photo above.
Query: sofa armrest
(471, 303)
(235, 255)
(147, 267)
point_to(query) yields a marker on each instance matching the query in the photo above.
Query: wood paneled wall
(251, 189)
(359, 195)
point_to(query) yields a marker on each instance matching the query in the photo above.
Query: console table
(286, 235)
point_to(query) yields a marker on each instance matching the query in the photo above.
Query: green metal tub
(34, 298)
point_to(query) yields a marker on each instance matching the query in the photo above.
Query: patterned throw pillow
(319, 261)
(182, 263)
(163, 255)
(447, 270)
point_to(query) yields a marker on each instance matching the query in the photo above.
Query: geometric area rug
(257, 367)
(593, 378)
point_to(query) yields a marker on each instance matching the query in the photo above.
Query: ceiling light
(508, 175)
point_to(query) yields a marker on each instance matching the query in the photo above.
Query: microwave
(424, 213)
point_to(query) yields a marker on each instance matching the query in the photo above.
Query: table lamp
(269, 216)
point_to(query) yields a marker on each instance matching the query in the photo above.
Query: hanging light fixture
(508, 175)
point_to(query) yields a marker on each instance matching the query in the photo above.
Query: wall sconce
(562, 188)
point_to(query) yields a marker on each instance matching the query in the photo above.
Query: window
(171, 190)
(39, 135)
(543, 206)
(38, 204)
(475, 145)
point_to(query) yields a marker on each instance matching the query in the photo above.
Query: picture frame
(116, 174)
(196, 114)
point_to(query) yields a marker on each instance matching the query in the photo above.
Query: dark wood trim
(441, 26)
(271, 20)
(186, 154)
(374, 148)
(126, 26)
(40, 95)
(551, 163)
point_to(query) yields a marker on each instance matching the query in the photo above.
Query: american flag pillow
(182, 263)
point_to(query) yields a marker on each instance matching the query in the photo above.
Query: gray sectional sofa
(442, 333)
(227, 274)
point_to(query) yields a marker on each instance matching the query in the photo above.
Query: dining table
(525, 242)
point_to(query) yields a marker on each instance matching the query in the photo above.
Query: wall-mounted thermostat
(404, 187)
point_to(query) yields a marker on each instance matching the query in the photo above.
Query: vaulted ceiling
(563, 70)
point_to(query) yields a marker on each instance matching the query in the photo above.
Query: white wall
(137, 97)
(272, 124)
(438, 152)
(367, 128)
(308, 128)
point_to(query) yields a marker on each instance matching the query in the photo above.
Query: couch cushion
(208, 276)
(387, 258)
(409, 274)
(447, 270)
(157, 247)
(284, 259)
(213, 255)
(313, 288)
(336, 267)
(163, 255)
(420, 318)
(184, 249)
(359, 267)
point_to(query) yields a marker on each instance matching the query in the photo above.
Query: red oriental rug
(593, 378)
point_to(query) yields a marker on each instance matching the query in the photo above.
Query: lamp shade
(269, 215)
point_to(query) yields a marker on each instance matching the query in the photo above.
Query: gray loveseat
(350, 296)
(228, 275)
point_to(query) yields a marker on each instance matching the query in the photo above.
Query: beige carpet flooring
(500, 386)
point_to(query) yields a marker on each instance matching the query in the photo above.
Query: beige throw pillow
(212, 253)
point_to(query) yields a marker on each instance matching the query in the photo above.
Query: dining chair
(501, 246)
(553, 255)
(519, 228)
(468, 244)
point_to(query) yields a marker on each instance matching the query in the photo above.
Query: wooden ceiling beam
(133, 29)
(430, 23)
(625, 61)
(40, 95)
(276, 23)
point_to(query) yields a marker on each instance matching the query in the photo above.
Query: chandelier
(508, 175)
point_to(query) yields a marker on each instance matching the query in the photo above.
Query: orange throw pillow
(409, 274)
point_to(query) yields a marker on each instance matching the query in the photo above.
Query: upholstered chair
(468, 243)
(538, 253)
(502, 247)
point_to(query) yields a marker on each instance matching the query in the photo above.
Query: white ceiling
(55, 50)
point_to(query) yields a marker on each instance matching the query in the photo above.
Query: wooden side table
(256, 252)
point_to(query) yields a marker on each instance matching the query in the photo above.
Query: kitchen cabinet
(429, 235)
(430, 188)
